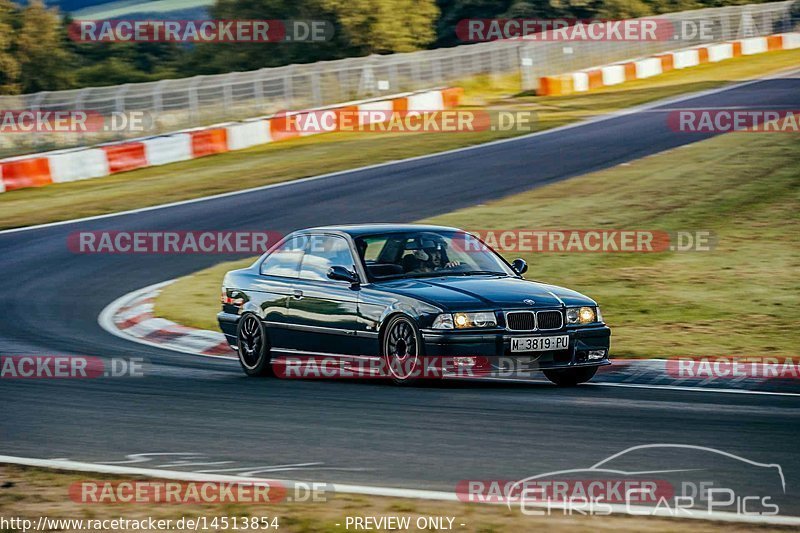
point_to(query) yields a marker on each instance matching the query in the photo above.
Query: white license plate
(539, 344)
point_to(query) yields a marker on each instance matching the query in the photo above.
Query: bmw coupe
(410, 297)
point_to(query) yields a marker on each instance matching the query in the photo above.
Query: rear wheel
(253, 346)
(401, 350)
(570, 377)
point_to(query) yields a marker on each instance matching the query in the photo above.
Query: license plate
(539, 344)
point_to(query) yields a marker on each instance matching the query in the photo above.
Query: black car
(408, 297)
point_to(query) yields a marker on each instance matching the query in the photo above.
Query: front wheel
(569, 377)
(401, 350)
(253, 347)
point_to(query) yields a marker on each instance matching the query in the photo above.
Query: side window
(323, 252)
(374, 246)
(285, 260)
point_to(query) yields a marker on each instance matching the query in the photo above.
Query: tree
(623, 9)
(452, 11)
(9, 67)
(383, 26)
(212, 58)
(45, 64)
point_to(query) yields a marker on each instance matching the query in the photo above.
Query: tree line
(36, 53)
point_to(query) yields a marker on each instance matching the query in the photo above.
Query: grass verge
(313, 155)
(740, 298)
(32, 492)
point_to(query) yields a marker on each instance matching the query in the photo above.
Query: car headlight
(465, 320)
(474, 320)
(583, 315)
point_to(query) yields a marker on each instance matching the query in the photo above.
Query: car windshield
(418, 254)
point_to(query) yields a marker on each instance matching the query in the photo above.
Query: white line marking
(692, 389)
(645, 386)
(184, 464)
(369, 490)
(593, 120)
(147, 457)
(261, 468)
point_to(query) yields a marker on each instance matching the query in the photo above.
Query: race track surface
(355, 432)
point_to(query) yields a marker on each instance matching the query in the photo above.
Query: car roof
(357, 230)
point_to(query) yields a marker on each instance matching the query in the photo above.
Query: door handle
(298, 294)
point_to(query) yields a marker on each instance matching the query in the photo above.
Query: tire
(571, 376)
(401, 344)
(252, 346)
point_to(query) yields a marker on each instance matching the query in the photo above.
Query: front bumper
(492, 350)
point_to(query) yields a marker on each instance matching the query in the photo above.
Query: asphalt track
(357, 432)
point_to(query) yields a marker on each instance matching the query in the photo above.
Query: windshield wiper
(441, 273)
(479, 272)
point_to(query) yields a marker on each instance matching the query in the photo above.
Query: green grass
(289, 160)
(740, 298)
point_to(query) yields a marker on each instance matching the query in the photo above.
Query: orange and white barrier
(168, 149)
(209, 141)
(248, 133)
(719, 52)
(647, 68)
(451, 96)
(21, 172)
(580, 81)
(370, 112)
(125, 156)
(686, 58)
(427, 101)
(790, 41)
(64, 166)
(754, 45)
(604, 76)
(80, 164)
(613, 74)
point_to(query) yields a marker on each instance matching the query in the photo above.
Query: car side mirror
(520, 266)
(340, 273)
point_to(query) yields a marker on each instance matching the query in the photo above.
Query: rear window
(285, 260)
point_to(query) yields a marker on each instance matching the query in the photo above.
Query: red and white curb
(131, 317)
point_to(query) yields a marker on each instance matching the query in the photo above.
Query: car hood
(465, 293)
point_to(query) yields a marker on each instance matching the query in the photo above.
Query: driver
(432, 255)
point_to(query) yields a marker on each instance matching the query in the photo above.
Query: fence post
(288, 88)
(194, 108)
(315, 92)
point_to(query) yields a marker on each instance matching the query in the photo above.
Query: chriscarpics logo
(661, 479)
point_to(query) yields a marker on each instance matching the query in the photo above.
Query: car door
(324, 312)
(272, 289)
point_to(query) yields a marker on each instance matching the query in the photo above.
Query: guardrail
(60, 166)
(647, 67)
(202, 100)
